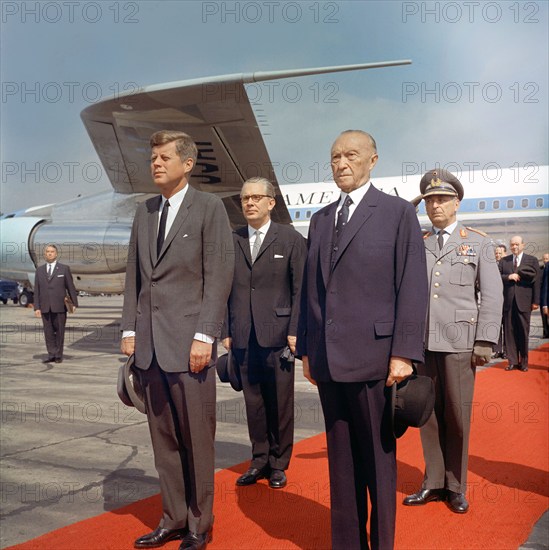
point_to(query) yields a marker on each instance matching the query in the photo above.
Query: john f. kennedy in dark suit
(53, 282)
(263, 312)
(178, 279)
(364, 301)
(521, 293)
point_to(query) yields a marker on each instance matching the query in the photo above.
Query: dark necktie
(162, 228)
(49, 270)
(256, 246)
(343, 217)
(440, 239)
(515, 263)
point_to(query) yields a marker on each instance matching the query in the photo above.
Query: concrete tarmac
(71, 450)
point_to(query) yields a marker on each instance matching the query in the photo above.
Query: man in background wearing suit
(262, 321)
(178, 278)
(361, 325)
(461, 330)
(53, 282)
(521, 289)
(544, 318)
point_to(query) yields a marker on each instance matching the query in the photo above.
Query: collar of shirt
(357, 195)
(448, 230)
(175, 203)
(53, 264)
(519, 258)
(251, 233)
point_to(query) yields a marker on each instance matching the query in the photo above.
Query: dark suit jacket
(266, 295)
(525, 293)
(372, 304)
(169, 299)
(49, 294)
(544, 299)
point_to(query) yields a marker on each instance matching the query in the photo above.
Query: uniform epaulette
(477, 231)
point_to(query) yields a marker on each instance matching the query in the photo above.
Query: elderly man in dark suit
(263, 312)
(179, 273)
(521, 292)
(361, 325)
(53, 282)
(461, 330)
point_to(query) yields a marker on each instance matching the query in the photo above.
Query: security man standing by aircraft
(463, 322)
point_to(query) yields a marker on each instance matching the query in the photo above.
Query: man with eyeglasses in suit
(263, 310)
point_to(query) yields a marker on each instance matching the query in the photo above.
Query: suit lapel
(152, 209)
(269, 238)
(365, 208)
(244, 243)
(326, 226)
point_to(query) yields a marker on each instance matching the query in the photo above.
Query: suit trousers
(181, 415)
(54, 332)
(517, 328)
(361, 458)
(268, 387)
(445, 436)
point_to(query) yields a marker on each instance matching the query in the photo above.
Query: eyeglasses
(255, 198)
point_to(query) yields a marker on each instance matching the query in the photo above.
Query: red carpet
(508, 487)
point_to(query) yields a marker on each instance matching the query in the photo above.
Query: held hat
(440, 182)
(527, 273)
(229, 371)
(412, 402)
(129, 387)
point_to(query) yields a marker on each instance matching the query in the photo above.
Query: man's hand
(201, 353)
(482, 353)
(514, 277)
(534, 307)
(227, 343)
(127, 346)
(38, 313)
(292, 341)
(545, 310)
(399, 369)
(307, 370)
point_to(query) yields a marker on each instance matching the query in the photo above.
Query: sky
(475, 95)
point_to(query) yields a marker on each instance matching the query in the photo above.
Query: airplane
(93, 231)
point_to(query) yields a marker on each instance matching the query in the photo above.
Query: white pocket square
(61, 275)
(278, 256)
(186, 235)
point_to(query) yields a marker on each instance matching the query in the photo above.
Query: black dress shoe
(277, 479)
(252, 476)
(58, 360)
(49, 360)
(457, 502)
(159, 537)
(194, 541)
(424, 496)
(523, 368)
(512, 367)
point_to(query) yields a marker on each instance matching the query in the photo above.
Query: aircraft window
(482, 205)
(297, 213)
(539, 202)
(510, 203)
(308, 214)
(495, 205)
(524, 203)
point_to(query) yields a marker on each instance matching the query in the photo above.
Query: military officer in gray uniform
(463, 321)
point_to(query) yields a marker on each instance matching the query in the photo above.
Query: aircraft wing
(215, 112)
